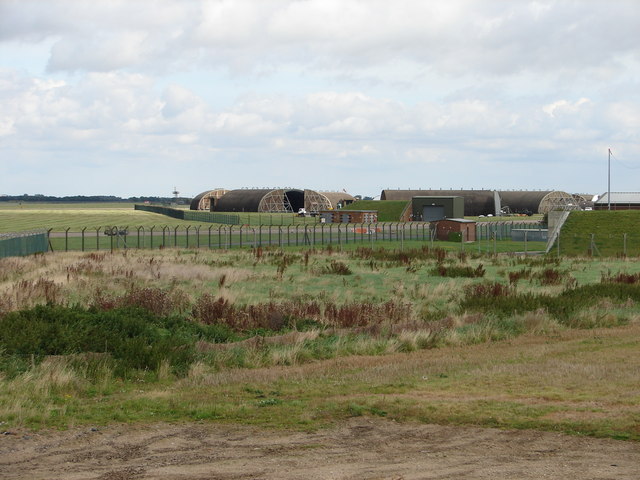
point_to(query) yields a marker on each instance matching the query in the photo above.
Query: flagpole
(609, 182)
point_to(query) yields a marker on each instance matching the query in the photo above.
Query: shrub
(628, 278)
(459, 271)
(155, 300)
(336, 267)
(133, 337)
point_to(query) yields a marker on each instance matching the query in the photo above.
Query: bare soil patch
(362, 448)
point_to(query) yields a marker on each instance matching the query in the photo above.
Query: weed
(459, 271)
(336, 267)
(621, 277)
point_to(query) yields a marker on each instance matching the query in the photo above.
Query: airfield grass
(20, 217)
(309, 337)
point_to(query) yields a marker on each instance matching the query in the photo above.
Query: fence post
(209, 237)
(82, 231)
(49, 239)
(164, 235)
(151, 236)
(175, 236)
(280, 236)
(187, 232)
(138, 228)
(66, 239)
(198, 236)
(241, 235)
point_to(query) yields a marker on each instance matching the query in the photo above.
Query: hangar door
(432, 213)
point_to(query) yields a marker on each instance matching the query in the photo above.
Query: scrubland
(305, 338)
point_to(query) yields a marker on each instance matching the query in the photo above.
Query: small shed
(349, 216)
(456, 229)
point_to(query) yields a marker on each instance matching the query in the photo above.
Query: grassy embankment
(607, 228)
(388, 211)
(304, 339)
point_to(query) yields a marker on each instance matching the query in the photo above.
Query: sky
(138, 97)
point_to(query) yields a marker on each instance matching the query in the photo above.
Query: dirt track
(360, 449)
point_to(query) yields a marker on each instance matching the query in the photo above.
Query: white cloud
(462, 88)
(454, 37)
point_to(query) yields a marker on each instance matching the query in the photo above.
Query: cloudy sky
(134, 97)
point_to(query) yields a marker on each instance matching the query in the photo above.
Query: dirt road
(360, 449)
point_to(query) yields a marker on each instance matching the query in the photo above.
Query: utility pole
(609, 182)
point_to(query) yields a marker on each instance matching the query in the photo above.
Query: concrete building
(429, 209)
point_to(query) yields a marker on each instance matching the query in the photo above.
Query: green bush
(455, 237)
(503, 301)
(133, 337)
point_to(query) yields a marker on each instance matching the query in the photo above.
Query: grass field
(58, 217)
(19, 217)
(303, 339)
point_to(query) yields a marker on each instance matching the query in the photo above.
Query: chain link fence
(597, 245)
(239, 236)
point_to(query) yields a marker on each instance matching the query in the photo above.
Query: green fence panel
(191, 215)
(21, 244)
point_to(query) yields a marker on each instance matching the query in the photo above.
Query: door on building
(432, 213)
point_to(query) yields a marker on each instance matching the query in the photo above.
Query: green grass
(15, 217)
(388, 210)
(299, 345)
(75, 217)
(608, 229)
(556, 385)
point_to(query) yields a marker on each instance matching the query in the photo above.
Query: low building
(456, 229)
(349, 216)
(619, 201)
(434, 208)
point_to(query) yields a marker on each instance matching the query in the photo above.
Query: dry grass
(472, 375)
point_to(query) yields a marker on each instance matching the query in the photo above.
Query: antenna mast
(609, 182)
